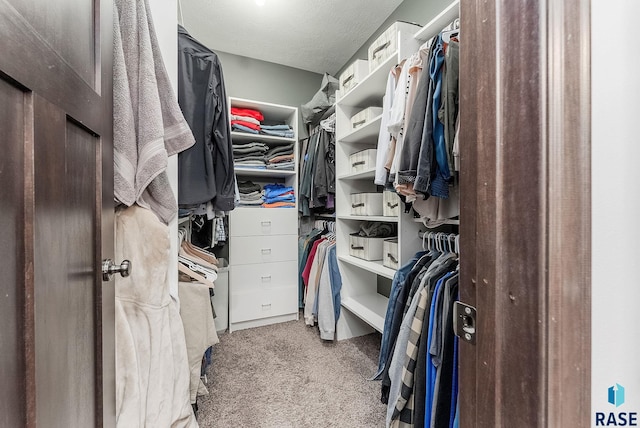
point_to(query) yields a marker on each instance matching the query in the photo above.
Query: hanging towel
(148, 125)
(152, 366)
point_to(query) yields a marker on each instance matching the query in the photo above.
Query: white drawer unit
(363, 160)
(353, 74)
(246, 250)
(366, 204)
(260, 304)
(390, 204)
(263, 221)
(390, 253)
(263, 276)
(365, 248)
(365, 116)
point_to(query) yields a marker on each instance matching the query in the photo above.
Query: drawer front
(252, 305)
(263, 221)
(263, 276)
(245, 250)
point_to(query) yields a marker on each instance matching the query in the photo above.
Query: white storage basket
(353, 74)
(363, 160)
(365, 116)
(390, 253)
(391, 204)
(368, 204)
(365, 248)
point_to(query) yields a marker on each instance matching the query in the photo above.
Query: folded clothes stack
(250, 194)
(246, 120)
(279, 196)
(250, 155)
(252, 122)
(280, 157)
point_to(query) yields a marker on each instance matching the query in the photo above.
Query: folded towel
(148, 123)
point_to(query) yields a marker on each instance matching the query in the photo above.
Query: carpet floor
(284, 375)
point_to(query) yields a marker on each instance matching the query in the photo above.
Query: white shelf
(371, 89)
(274, 112)
(453, 222)
(238, 136)
(370, 173)
(371, 308)
(369, 218)
(262, 172)
(374, 267)
(436, 25)
(366, 133)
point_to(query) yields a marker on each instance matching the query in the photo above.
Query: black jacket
(205, 171)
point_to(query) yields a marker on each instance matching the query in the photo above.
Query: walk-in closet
(272, 213)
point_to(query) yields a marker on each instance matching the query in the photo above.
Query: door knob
(109, 268)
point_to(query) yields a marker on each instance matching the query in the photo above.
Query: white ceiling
(314, 35)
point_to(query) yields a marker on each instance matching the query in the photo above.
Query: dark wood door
(56, 213)
(525, 213)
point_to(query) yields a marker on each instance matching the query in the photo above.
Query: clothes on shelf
(205, 170)
(320, 280)
(418, 351)
(259, 155)
(318, 169)
(417, 145)
(270, 196)
(253, 122)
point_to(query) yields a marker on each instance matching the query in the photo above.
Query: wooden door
(56, 213)
(525, 212)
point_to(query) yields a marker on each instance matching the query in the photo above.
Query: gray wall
(417, 11)
(268, 82)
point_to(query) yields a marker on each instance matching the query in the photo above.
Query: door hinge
(464, 322)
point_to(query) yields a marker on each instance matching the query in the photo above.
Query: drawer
(362, 160)
(246, 250)
(263, 276)
(366, 204)
(263, 221)
(252, 305)
(390, 253)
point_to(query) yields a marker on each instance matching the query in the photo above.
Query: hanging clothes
(205, 171)
(317, 170)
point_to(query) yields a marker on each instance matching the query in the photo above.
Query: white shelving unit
(263, 262)
(364, 308)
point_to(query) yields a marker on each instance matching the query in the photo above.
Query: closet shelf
(454, 222)
(369, 218)
(262, 172)
(371, 89)
(246, 137)
(366, 133)
(436, 25)
(371, 308)
(370, 173)
(374, 267)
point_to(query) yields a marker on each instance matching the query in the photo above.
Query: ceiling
(314, 35)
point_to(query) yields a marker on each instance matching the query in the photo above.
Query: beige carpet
(284, 375)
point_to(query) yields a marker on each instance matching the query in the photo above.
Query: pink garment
(307, 267)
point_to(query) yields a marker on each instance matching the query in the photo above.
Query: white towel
(152, 367)
(148, 123)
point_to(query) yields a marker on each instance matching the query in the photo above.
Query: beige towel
(152, 368)
(148, 123)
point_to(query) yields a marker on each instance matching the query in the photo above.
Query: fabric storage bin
(365, 248)
(366, 204)
(353, 74)
(363, 160)
(390, 253)
(387, 43)
(364, 116)
(391, 204)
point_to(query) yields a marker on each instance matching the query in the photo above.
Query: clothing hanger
(195, 258)
(452, 30)
(182, 268)
(180, 16)
(209, 274)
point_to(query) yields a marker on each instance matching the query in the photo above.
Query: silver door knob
(109, 268)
